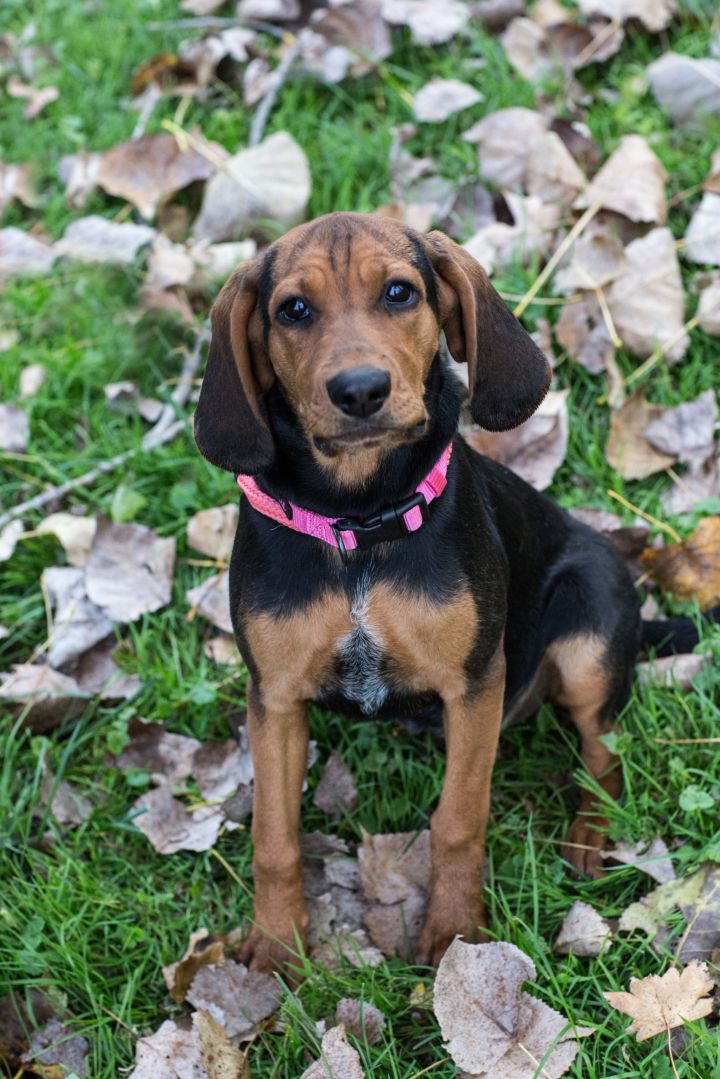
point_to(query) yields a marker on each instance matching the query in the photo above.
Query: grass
(92, 916)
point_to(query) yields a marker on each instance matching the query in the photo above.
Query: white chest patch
(361, 658)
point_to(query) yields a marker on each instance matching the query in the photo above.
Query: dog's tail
(674, 635)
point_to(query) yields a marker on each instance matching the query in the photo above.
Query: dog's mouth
(368, 435)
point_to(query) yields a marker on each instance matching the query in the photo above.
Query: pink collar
(345, 533)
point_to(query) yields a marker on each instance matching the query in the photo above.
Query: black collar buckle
(381, 527)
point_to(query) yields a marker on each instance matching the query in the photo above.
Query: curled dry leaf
(45, 697)
(21, 253)
(212, 532)
(211, 599)
(686, 431)
(220, 1058)
(56, 1051)
(631, 182)
(686, 88)
(237, 998)
(654, 860)
(670, 671)
(534, 450)
(77, 623)
(336, 792)
(167, 757)
(14, 429)
(171, 827)
(129, 570)
(440, 98)
(583, 932)
(431, 22)
(270, 181)
(657, 1003)
(627, 449)
(16, 182)
(97, 673)
(79, 173)
(338, 1058)
(67, 805)
(494, 1029)
(172, 1052)
(364, 1021)
(691, 569)
(702, 239)
(95, 239)
(202, 950)
(149, 170)
(581, 330)
(655, 15)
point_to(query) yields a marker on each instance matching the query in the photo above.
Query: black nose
(360, 392)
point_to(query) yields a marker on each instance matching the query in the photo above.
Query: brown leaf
(220, 1058)
(649, 913)
(97, 673)
(16, 182)
(627, 449)
(77, 622)
(686, 431)
(212, 532)
(336, 792)
(709, 305)
(596, 259)
(44, 696)
(171, 827)
(55, 1051)
(669, 671)
(655, 15)
(23, 253)
(211, 599)
(394, 866)
(148, 171)
(364, 1021)
(702, 239)
(395, 928)
(172, 1052)
(338, 1060)
(702, 914)
(582, 331)
(67, 805)
(358, 25)
(14, 429)
(693, 487)
(75, 534)
(222, 650)
(19, 1014)
(691, 569)
(654, 859)
(203, 950)
(658, 1003)
(129, 570)
(95, 239)
(504, 139)
(167, 757)
(220, 768)
(494, 1029)
(269, 181)
(9, 537)
(441, 98)
(235, 997)
(79, 173)
(631, 182)
(688, 89)
(431, 22)
(583, 932)
(534, 450)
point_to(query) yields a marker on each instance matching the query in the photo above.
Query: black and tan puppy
(325, 383)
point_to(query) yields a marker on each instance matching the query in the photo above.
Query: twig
(265, 107)
(659, 352)
(166, 428)
(646, 516)
(567, 243)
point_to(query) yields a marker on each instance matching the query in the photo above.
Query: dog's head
(346, 312)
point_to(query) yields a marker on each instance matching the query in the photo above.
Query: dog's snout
(360, 392)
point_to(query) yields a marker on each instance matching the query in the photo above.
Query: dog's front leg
(279, 743)
(472, 730)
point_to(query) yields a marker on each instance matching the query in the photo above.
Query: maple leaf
(657, 1003)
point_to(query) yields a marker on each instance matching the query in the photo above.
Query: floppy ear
(508, 374)
(229, 426)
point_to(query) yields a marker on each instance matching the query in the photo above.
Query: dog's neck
(295, 475)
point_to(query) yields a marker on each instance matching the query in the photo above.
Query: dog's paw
(269, 952)
(585, 840)
(443, 924)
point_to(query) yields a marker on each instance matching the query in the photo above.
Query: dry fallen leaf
(211, 600)
(23, 253)
(167, 757)
(77, 622)
(359, 26)
(395, 872)
(202, 950)
(336, 792)
(631, 182)
(16, 182)
(534, 450)
(237, 998)
(95, 239)
(271, 10)
(220, 1058)
(702, 914)
(658, 1003)
(97, 673)
(649, 913)
(431, 22)
(583, 932)
(686, 431)
(702, 239)
(67, 805)
(493, 1029)
(9, 537)
(655, 15)
(129, 570)
(222, 650)
(669, 671)
(654, 859)
(691, 569)
(364, 1021)
(338, 1059)
(45, 697)
(440, 98)
(79, 173)
(171, 827)
(149, 170)
(693, 487)
(14, 429)
(688, 89)
(37, 98)
(595, 259)
(212, 532)
(172, 1052)
(582, 331)
(32, 379)
(627, 449)
(709, 304)
(55, 1051)
(503, 140)
(269, 181)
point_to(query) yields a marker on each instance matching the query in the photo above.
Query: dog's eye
(399, 294)
(294, 310)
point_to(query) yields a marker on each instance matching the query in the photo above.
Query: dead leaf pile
(491, 1026)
